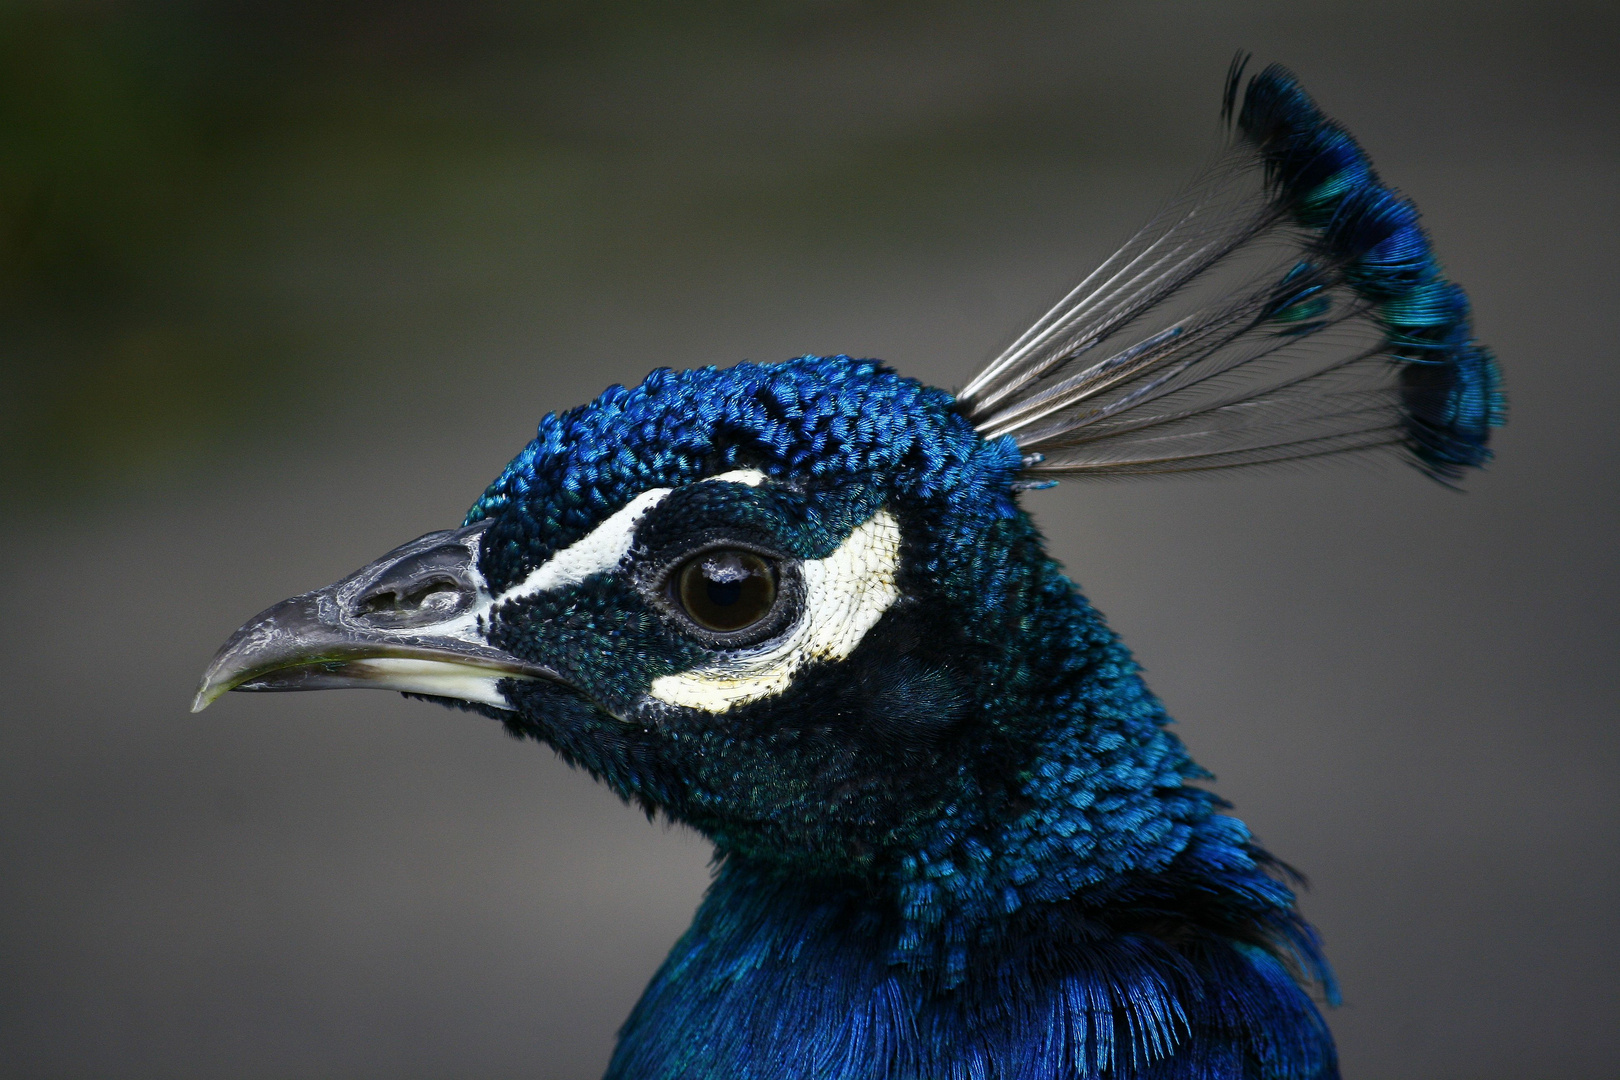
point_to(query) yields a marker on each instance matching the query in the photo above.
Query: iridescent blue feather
(1450, 387)
(1287, 305)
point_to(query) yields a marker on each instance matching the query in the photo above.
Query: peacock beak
(413, 621)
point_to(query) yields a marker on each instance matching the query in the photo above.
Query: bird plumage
(1287, 305)
(799, 608)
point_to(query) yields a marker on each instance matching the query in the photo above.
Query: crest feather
(1286, 305)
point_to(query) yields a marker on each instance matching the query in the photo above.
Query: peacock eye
(725, 590)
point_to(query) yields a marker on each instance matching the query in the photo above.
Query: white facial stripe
(845, 595)
(751, 477)
(440, 678)
(600, 549)
(604, 546)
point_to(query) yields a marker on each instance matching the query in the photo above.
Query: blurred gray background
(284, 285)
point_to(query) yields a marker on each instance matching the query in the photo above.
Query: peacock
(799, 608)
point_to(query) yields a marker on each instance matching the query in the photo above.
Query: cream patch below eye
(845, 595)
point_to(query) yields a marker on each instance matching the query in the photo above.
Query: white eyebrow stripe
(845, 595)
(605, 546)
(751, 477)
(600, 549)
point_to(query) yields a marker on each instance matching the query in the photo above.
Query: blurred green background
(222, 216)
(216, 214)
(283, 285)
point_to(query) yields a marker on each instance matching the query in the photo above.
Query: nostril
(396, 600)
(413, 603)
(437, 594)
(417, 590)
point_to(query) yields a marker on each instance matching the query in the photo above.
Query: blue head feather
(970, 848)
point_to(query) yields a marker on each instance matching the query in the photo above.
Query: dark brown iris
(726, 590)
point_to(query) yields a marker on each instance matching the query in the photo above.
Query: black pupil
(726, 590)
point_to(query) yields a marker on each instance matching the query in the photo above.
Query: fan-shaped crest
(1286, 305)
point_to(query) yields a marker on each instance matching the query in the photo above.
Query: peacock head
(784, 604)
(797, 606)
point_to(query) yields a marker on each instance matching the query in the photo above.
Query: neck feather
(783, 977)
(1069, 907)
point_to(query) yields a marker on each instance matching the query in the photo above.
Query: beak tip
(208, 692)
